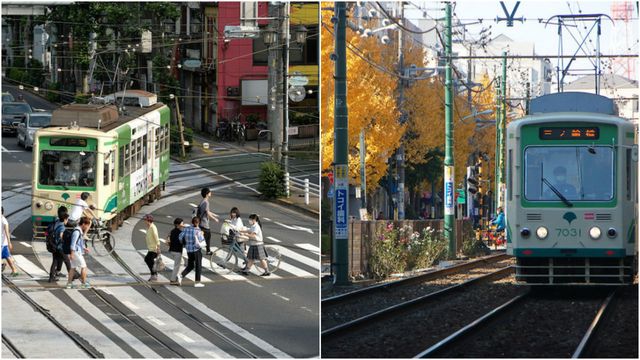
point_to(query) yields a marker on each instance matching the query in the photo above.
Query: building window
(260, 52)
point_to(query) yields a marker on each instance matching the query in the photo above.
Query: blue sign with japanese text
(448, 194)
(341, 213)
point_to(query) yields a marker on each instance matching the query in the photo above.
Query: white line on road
(266, 218)
(310, 247)
(29, 267)
(280, 296)
(156, 320)
(129, 304)
(314, 263)
(22, 242)
(184, 337)
(254, 284)
(274, 239)
(295, 227)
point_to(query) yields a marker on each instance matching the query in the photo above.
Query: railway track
(472, 340)
(83, 344)
(240, 350)
(14, 350)
(350, 306)
(374, 328)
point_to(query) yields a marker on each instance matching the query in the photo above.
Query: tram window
(580, 173)
(113, 166)
(628, 173)
(167, 137)
(67, 168)
(138, 153)
(105, 175)
(510, 174)
(157, 133)
(121, 161)
(144, 150)
(127, 159)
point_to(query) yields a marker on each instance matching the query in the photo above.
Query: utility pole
(502, 128)
(363, 172)
(449, 221)
(496, 165)
(274, 82)
(180, 128)
(285, 89)
(340, 149)
(400, 152)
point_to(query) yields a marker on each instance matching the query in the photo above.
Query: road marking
(295, 227)
(22, 242)
(294, 270)
(30, 268)
(280, 296)
(129, 304)
(274, 239)
(183, 337)
(18, 185)
(193, 205)
(4, 149)
(254, 284)
(266, 218)
(143, 231)
(300, 258)
(156, 320)
(310, 247)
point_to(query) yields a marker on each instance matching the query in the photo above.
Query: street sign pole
(340, 146)
(449, 209)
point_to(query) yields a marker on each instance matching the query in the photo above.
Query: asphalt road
(276, 316)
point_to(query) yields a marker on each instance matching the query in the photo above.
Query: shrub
(426, 249)
(387, 256)
(471, 245)
(271, 180)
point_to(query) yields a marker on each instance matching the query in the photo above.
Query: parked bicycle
(223, 130)
(239, 131)
(102, 241)
(226, 260)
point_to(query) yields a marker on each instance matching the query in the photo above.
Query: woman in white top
(256, 246)
(7, 247)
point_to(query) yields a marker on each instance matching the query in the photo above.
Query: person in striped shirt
(193, 240)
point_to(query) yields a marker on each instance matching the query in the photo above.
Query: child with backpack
(73, 244)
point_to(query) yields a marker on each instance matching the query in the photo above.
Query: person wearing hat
(153, 246)
(66, 176)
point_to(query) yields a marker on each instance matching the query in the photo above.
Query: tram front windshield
(579, 173)
(68, 168)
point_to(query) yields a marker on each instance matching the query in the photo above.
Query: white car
(29, 125)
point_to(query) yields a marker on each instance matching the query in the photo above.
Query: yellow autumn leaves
(372, 93)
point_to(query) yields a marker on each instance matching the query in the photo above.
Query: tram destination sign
(569, 133)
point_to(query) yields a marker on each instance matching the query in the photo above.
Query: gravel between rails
(548, 324)
(617, 336)
(414, 331)
(338, 314)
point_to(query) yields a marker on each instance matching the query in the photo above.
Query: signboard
(298, 80)
(192, 63)
(448, 191)
(292, 130)
(461, 197)
(146, 41)
(569, 133)
(330, 193)
(341, 201)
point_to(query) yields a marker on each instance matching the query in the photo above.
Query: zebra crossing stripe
(309, 247)
(294, 270)
(30, 268)
(297, 257)
(274, 239)
(191, 275)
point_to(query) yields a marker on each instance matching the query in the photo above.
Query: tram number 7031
(569, 232)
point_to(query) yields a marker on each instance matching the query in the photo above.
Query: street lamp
(300, 34)
(269, 35)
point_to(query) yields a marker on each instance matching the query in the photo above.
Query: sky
(545, 38)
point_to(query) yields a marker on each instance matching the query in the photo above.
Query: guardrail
(303, 185)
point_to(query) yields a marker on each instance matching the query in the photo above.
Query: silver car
(29, 125)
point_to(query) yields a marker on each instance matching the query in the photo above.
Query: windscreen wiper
(558, 193)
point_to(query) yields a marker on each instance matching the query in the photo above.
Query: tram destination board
(569, 133)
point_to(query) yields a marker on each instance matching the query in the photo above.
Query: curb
(304, 209)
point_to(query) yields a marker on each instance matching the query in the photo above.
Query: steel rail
(191, 316)
(395, 309)
(588, 337)
(458, 335)
(339, 299)
(114, 308)
(85, 346)
(14, 350)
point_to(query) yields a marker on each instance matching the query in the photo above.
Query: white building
(623, 91)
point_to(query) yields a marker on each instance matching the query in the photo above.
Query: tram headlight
(48, 205)
(611, 233)
(595, 232)
(542, 232)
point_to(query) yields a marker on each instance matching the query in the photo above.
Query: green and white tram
(571, 205)
(120, 158)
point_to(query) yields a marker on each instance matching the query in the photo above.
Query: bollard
(306, 191)
(286, 183)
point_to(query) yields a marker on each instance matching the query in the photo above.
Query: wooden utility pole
(180, 128)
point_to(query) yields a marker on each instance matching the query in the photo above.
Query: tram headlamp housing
(595, 232)
(525, 232)
(48, 205)
(39, 204)
(611, 233)
(542, 232)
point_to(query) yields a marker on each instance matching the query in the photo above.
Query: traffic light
(472, 180)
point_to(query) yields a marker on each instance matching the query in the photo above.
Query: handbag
(158, 264)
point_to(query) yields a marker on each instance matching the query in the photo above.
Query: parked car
(7, 97)
(28, 127)
(12, 114)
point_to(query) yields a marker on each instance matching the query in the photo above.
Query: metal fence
(304, 185)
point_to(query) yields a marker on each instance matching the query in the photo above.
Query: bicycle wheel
(103, 243)
(273, 260)
(223, 262)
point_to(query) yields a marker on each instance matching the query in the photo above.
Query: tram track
(394, 331)
(241, 350)
(14, 350)
(549, 335)
(356, 304)
(78, 340)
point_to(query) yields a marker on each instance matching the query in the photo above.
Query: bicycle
(102, 241)
(491, 236)
(225, 260)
